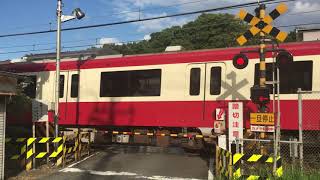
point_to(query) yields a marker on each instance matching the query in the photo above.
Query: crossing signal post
(261, 24)
(260, 95)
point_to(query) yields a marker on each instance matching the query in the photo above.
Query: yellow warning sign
(262, 118)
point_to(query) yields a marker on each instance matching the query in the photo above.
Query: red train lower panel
(174, 114)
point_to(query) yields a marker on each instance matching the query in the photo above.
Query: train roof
(207, 55)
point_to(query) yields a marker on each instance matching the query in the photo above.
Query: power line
(132, 41)
(154, 8)
(126, 42)
(141, 20)
(28, 51)
(69, 42)
(119, 13)
(302, 24)
(304, 12)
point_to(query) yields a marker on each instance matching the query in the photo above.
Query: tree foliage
(206, 32)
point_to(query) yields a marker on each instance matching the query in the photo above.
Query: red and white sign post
(235, 122)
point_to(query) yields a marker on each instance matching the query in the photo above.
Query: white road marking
(114, 173)
(71, 165)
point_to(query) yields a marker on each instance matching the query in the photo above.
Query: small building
(309, 34)
(8, 87)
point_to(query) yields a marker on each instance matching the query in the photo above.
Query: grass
(289, 174)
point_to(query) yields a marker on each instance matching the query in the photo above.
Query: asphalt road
(136, 162)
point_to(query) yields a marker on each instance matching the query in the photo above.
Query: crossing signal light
(284, 59)
(260, 95)
(240, 61)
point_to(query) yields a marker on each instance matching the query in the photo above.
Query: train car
(172, 91)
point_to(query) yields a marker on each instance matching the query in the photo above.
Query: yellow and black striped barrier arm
(258, 158)
(178, 135)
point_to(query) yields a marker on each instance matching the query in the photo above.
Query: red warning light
(284, 59)
(240, 61)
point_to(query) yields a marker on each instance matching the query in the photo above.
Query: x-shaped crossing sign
(263, 25)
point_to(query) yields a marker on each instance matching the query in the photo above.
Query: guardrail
(62, 147)
(230, 165)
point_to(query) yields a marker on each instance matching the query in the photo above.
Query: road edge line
(71, 165)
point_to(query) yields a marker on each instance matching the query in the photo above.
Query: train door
(205, 89)
(69, 97)
(196, 74)
(63, 98)
(214, 91)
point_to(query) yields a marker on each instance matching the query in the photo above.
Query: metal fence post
(300, 128)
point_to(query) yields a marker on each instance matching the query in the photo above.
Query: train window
(130, 83)
(74, 85)
(195, 81)
(61, 90)
(215, 81)
(29, 86)
(299, 75)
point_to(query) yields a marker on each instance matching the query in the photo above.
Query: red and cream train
(168, 90)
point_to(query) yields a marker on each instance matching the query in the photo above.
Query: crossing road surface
(136, 162)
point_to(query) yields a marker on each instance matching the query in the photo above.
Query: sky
(20, 16)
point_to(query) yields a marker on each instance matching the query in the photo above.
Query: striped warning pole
(262, 11)
(29, 153)
(58, 153)
(254, 158)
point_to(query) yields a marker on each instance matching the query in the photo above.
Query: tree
(207, 31)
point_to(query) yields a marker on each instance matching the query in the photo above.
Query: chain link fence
(309, 108)
(299, 149)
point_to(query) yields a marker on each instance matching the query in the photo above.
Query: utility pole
(57, 82)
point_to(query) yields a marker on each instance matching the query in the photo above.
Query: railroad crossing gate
(262, 25)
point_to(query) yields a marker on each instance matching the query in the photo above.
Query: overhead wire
(96, 44)
(141, 20)
(126, 42)
(118, 13)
